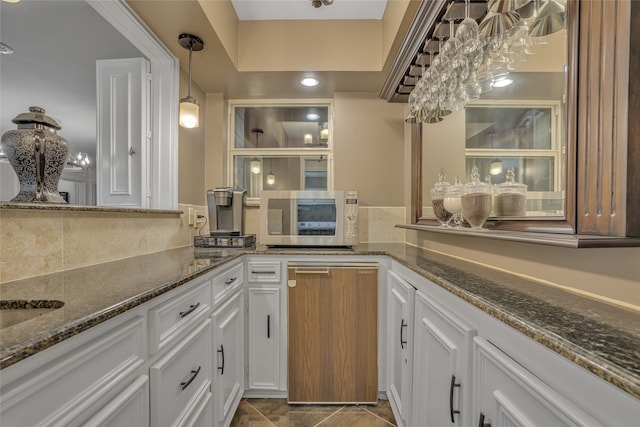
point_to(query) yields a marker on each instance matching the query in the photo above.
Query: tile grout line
(263, 415)
(377, 416)
(325, 419)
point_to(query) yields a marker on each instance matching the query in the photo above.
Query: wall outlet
(196, 221)
(192, 217)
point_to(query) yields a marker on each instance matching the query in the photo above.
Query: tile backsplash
(36, 242)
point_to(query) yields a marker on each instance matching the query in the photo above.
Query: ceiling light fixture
(309, 82)
(189, 106)
(502, 82)
(313, 116)
(255, 165)
(318, 3)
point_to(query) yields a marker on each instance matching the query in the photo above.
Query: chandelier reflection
(469, 60)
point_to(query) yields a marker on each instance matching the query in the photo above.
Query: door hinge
(149, 76)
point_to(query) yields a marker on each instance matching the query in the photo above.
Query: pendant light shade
(189, 112)
(255, 166)
(271, 178)
(189, 106)
(495, 168)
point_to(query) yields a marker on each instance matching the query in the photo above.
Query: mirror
(55, 68)
(281, 147)
(522, 125)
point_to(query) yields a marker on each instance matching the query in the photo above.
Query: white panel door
(441, 366)
(264, 338)
(506, 394)
(400, 346)
(228, 345)
(123, 124)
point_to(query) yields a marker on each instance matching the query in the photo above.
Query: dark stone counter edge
(80, 208)
(18, 352)
(613, 374)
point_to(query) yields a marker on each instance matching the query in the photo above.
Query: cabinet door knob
(268, 326)
(403, 325)
(131, 151)
(221, 368)
(192, 307)
(451, 387)
(194, 374)
(481, 422)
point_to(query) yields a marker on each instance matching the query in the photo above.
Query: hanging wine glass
(467, 32)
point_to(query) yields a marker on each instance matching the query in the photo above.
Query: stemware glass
(467, 32)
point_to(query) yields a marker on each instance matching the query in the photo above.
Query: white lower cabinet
(69, 383)
(228, 344)
(441, 366)
(508, 395)
(129, 408)
(400, 300)
(264, 338)
(180, 376)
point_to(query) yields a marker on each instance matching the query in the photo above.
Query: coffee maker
(226, 211)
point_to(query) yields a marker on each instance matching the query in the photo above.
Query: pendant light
(254, 164)
(271, 177)
(495, 167)
(189, 106)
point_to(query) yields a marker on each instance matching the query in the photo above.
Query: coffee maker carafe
(226, 211)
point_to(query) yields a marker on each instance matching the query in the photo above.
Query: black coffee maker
(226, 211)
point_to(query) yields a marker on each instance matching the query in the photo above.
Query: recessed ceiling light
(313, 116)
(310, 82)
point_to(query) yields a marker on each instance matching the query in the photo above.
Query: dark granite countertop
(598, 336)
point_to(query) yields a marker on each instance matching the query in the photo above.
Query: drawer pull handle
(194, 374)
(402, 326)
(268, 326)
(192, 307)
(263, 272)
(324, 272)
(221, 368)
(230, 281)
(451, 387)
(481, 423)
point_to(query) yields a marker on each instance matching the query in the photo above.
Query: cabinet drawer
(179, 376)
(263, 271)
(129, 408)
(226, 282)
(62, 391)
(170, 319)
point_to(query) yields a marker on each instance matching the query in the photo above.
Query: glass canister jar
(437, 200)
(452, 201)
(510, 197)
(476, 200)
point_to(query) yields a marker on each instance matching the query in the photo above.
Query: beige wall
(191, 145)
(368, 139)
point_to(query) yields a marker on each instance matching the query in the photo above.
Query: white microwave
(309, 218)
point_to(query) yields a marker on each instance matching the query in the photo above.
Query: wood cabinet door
(333, 335)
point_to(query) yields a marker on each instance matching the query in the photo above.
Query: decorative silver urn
(37, 155)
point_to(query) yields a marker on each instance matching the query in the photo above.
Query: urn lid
(36, 115)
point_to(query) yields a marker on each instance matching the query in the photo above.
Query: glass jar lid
(475, 185)
(510, 185)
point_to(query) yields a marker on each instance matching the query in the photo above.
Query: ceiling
(248, 10)
(46, 67)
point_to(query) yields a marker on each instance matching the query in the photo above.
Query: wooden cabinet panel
(333, 335)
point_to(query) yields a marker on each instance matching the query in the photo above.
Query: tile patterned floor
(276, 412)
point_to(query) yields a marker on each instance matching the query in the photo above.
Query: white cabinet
(129, 408)
(180, 378)
(264, 338)
(67, 384)
(228, 344)
(441, 365)
(508, 395)
(400, 307)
